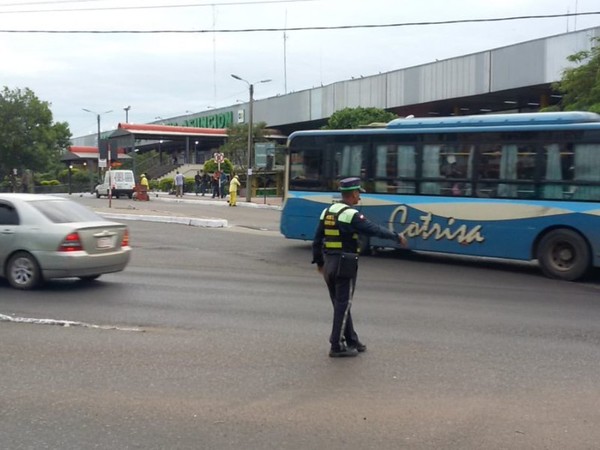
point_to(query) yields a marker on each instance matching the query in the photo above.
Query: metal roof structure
(514, 78)
(142, 137)
(157, 132)
(82, 154)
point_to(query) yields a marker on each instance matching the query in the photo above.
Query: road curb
(190, 221)
(192, 201)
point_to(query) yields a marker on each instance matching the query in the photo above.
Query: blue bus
(515, 186)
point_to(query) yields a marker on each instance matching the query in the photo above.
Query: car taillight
(71, 243)
(125, 241)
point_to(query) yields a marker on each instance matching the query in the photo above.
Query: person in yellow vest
(142, 195)
(335, 252)
(233, 189)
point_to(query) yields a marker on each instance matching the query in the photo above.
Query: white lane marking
(63, 323)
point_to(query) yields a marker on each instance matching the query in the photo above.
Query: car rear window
(65, 211)
(120, 177)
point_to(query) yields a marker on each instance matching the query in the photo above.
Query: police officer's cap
(350, 184)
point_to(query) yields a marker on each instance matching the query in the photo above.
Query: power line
(123, 8)
(320, 28)
(53, 2)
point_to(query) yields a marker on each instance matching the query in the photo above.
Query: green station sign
(222, 120)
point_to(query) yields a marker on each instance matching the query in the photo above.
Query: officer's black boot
(343, 352)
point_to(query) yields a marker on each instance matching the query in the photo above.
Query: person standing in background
(198, 182)
(142, 195)
(223, 184)
(216, 181)
(178, 184)
(234, 184)
(205, 183)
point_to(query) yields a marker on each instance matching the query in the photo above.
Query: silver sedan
(44, 237)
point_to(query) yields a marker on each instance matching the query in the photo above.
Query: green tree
(356, 117)
(29, 139)
(580, 86)
(236, 147)
(212, 166)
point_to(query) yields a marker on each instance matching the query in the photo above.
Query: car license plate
(104, 242)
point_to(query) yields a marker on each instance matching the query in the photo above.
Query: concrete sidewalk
(256, 202)
(151, 210)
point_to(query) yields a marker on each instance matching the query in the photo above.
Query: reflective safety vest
(332, 217)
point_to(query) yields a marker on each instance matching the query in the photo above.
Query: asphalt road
(217, 339)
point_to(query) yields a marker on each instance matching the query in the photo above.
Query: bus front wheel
(564, 254)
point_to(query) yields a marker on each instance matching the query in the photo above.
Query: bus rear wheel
(564, 254)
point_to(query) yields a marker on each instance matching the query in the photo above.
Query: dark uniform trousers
(341, 290)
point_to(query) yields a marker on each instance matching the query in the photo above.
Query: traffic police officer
(335, 251)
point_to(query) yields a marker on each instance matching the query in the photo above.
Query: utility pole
(250, 134)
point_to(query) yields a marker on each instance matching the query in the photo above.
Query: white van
(123, 183)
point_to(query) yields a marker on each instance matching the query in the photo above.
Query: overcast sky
(166, 75)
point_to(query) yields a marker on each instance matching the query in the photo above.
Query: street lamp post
(108, 156)
(135, 153)
(250, 133)
(88, 170)
(98, 120)
(70, 177)
(126, 109)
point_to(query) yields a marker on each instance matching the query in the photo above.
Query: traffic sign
(262, 152)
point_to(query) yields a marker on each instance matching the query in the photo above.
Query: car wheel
(564, 254)
(89, 277)
(23, 271)
(97, 194)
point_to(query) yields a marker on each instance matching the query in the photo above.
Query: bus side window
(526, 170)
(350, 161)
(554, 172)
(508, 171)
(381, 167)
(406, 168)
(587, 168)
(456, 168)
(431, 169)
(487, 170)
(304, 172)
(393, 164)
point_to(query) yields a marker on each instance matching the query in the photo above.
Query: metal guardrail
(269, 192)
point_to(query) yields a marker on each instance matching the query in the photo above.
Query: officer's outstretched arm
(365, 226)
